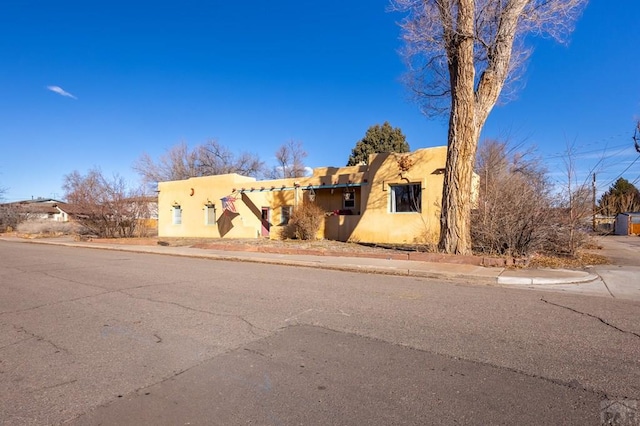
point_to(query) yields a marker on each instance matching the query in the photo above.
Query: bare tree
(290, 158)
(178, 163)
(208, 159)
(215, 159)
(105, 207)
(577, 202)
(460, 54)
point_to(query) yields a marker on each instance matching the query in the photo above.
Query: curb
(585, 278)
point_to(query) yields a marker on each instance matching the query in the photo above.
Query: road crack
(189, 308)
(602, 320)
(59, 302)
(75, 299)
(38, 338)
(57, 385)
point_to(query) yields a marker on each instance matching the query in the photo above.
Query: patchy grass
(581, 260)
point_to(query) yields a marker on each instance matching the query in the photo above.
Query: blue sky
(143, 76)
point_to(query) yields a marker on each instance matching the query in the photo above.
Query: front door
(265, 221)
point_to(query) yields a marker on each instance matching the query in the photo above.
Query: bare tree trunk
(455, 216)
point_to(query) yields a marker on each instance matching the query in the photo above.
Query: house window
(285, 214)
(209, 215)
(406, 198)
(349, 200)
(177, 215)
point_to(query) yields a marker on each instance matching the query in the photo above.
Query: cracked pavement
(91, 336)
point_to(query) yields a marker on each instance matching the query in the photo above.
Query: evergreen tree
(378, 139)
(621, 197)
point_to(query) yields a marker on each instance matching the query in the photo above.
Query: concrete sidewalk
(439, 270)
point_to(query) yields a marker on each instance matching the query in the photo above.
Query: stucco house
(393, 199)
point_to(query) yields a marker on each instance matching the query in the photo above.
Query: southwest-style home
(393, 199)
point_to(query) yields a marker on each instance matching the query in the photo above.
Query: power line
(598, 142)
(620, 175)
(577, 154)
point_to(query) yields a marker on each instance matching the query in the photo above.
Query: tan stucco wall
(375, 223)
(205, 189)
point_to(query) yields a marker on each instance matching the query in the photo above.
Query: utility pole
(593, 187)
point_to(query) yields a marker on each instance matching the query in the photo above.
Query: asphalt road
(104, 337)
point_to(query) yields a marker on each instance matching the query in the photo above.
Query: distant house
(627, 223)
(393, 199)
(41, 209)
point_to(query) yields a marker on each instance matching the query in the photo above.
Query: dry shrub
(9, 217)
(513, 217)
(305, 222)
(518, 212)
(48, 227)
(426, 240)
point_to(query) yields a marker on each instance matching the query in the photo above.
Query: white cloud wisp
(60, 91)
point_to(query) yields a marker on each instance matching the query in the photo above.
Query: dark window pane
(406, 198)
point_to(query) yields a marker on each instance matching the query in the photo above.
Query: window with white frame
(285, 214)
(177, 215)
(209, 215)
(405, 198)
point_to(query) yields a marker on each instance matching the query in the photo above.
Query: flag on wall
(228, 203)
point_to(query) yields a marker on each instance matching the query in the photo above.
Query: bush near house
(305, 222)
(519, 213)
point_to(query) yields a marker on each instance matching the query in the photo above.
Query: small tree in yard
(105, 207)
(305, 222)
(575, 203)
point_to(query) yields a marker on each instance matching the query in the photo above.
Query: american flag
(228, 204)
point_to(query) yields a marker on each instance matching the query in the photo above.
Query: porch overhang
(303, 187)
